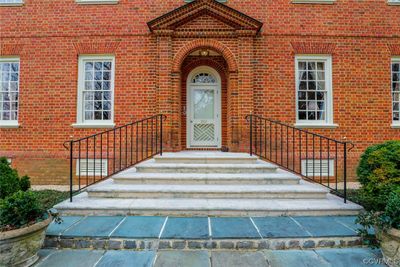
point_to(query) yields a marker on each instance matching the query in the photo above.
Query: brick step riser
(216, 244)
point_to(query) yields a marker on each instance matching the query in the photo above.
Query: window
(95, 92)
(11, 2)
(317, 167)
(394, 2)
(314, 91)
(9, 90)
(98, 167)
(395, 82)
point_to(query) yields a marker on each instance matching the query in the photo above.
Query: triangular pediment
(204, 22)
(205, 11)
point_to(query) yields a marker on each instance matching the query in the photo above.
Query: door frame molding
(218, 104)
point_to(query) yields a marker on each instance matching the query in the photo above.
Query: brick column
(164, 88)
(245, 86)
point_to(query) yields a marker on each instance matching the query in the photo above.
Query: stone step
(153, 167)
(304, 190)
(278, 177)
(206, 157)
(331, 205)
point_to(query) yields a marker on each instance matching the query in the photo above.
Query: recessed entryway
(203, 102)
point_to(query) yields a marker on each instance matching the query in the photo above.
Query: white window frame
(97, 2)
(328, 122)
(393, 2)
(12, 123)
(80, 121)
(329, 2)
(15, 3)
(317, 162)
(102, 171)
(395, 124)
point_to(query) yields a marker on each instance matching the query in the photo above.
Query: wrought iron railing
(315, 157)
(101, 155)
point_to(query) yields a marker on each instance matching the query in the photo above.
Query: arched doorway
(203, 108)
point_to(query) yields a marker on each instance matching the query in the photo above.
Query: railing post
(161, 134)
(345, 173)
(251, 134)
(71, 154)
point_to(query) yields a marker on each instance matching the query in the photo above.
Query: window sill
(93, 125)
(394, 3)
(97, 2)
(395, 125)
(11, 4)
(327, 2)
(316, 126)
(9, 125)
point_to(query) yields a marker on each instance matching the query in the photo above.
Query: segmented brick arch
(205, 44)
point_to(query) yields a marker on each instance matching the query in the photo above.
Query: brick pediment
(205, 17)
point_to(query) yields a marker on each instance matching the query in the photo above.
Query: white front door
(204, 108)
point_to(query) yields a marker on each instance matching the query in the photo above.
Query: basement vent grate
(91, 167)
(317, 167)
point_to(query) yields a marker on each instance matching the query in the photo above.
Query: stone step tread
(279, 174)
(205, 155)
(205, 158)
(109, 186)
(258, 165)
(331, 205)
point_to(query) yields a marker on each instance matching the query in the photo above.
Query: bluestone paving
(324, 226)
(76, 258)
(350, 221)
(117, 258)
(295, 258)
(354, 257)
(233, 228)
(279, 227)
(238, 259)
(96, 226)
(197, 227)
(139, 227)
(183, 259)
(190, 228)
(58, 228)
(348, 257)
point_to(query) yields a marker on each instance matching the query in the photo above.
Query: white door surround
(203, 100)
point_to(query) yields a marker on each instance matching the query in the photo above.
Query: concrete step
(205, 157)
(132, 177)
(304, 190)
(331, 205)
(151, 166)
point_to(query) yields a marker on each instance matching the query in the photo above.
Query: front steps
(206, 183)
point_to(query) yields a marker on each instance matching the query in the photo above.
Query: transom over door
(204, 108)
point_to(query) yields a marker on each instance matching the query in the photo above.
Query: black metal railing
(101, 155)
(315, 157)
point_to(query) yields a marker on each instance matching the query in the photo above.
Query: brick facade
(152, 53)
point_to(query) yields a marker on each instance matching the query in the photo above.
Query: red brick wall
(49, 35)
